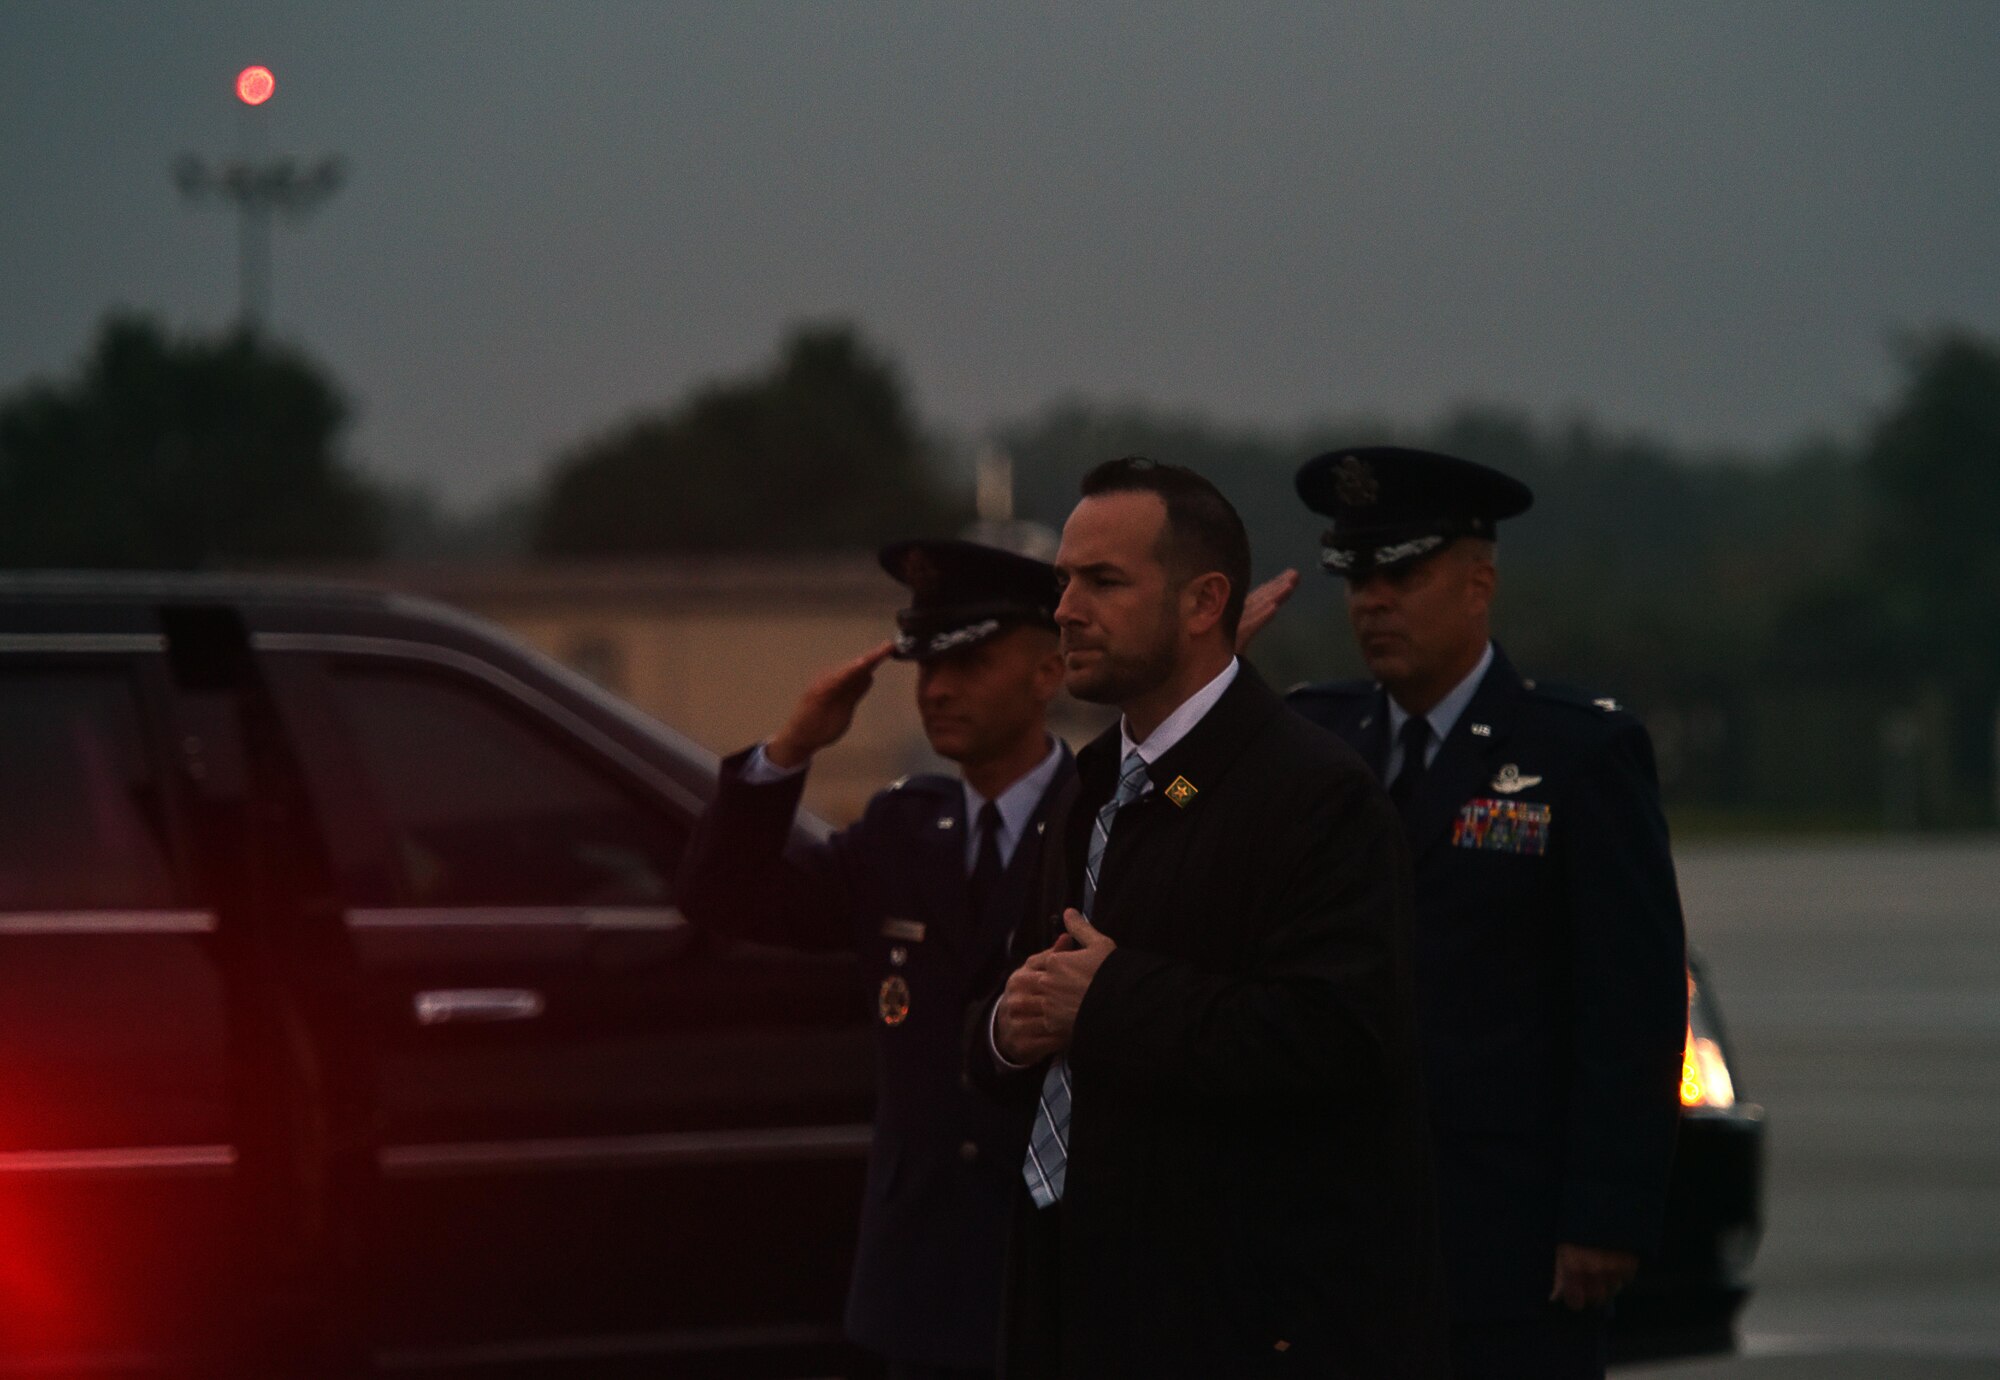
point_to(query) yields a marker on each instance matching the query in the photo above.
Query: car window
(81, 823)
(485, 807)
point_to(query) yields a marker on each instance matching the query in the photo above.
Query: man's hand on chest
(1037, 1012)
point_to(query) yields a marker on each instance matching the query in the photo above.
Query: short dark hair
(1203, 531)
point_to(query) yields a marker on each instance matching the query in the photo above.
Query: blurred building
(718, 648)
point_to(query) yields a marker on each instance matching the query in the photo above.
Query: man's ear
(1481, 582)
(1203, 600)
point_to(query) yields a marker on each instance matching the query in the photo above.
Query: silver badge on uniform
(1509, 780)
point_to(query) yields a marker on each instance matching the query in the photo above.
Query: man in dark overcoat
(926, 887)
(1550, 957)
(1212, 1021)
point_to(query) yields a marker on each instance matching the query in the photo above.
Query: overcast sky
(1699, 219)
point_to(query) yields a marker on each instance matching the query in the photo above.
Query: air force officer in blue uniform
(1550, 962)
(926, 887)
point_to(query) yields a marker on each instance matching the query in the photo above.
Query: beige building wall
(719, 650)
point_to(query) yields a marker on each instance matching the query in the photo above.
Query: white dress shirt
(1178, 724)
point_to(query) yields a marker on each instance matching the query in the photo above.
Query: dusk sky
(1703, 220)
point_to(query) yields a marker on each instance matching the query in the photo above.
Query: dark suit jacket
(1552, 976)
(1248, 1187)
(942, 1168)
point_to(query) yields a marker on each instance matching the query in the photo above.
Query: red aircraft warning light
(254, 85)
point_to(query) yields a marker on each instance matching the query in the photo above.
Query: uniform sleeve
(738, 877)
(1628, 962)
(1322, 1004)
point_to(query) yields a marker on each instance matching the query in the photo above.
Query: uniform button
(968, 1151)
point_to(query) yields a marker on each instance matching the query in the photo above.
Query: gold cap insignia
(893, 1001)
(1181, 791)
(922, 575)
(1510, 780)
(1355, 482)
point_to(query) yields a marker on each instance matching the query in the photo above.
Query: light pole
(258, 188)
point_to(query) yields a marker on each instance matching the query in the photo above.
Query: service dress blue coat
(1552, 981)
(945, 1160)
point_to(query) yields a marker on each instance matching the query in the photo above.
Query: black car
(1686, 1299)
(346, 1020)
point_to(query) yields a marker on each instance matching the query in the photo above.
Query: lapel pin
(947, 822)
(1368, 722)
(1482, 730)
(1607, 704)
(1181, 791)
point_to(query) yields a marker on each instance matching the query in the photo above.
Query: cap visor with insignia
(1393, 505)
(963, 593)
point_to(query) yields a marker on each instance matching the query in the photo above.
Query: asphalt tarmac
(1861, 984)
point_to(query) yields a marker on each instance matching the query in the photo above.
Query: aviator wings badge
(1509, 780)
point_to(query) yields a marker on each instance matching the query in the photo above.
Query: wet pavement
(1861, 984)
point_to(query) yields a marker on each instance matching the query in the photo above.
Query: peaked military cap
(962, 593)
(1391, 505)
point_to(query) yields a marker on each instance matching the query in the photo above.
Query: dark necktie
(987, 869)
(1403, 791)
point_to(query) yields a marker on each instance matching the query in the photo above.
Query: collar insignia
(1509, 780)
(1181, 791)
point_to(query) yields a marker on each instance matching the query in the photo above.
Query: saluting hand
(1037, 1012)
(826, 711)
(1588, 1276)
(1261, 605)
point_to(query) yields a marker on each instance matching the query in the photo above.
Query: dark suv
(346, 1020)
(344, 1010)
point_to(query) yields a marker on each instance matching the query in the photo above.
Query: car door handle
(478, 1005)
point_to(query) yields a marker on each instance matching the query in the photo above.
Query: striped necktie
(1048, 1145)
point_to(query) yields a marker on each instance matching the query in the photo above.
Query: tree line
(1813, 634)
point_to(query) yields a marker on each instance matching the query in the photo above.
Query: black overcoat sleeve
(739, 876)
(1629, 994)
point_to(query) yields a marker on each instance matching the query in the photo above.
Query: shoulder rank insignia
(1509, 780)
(1181, 791)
